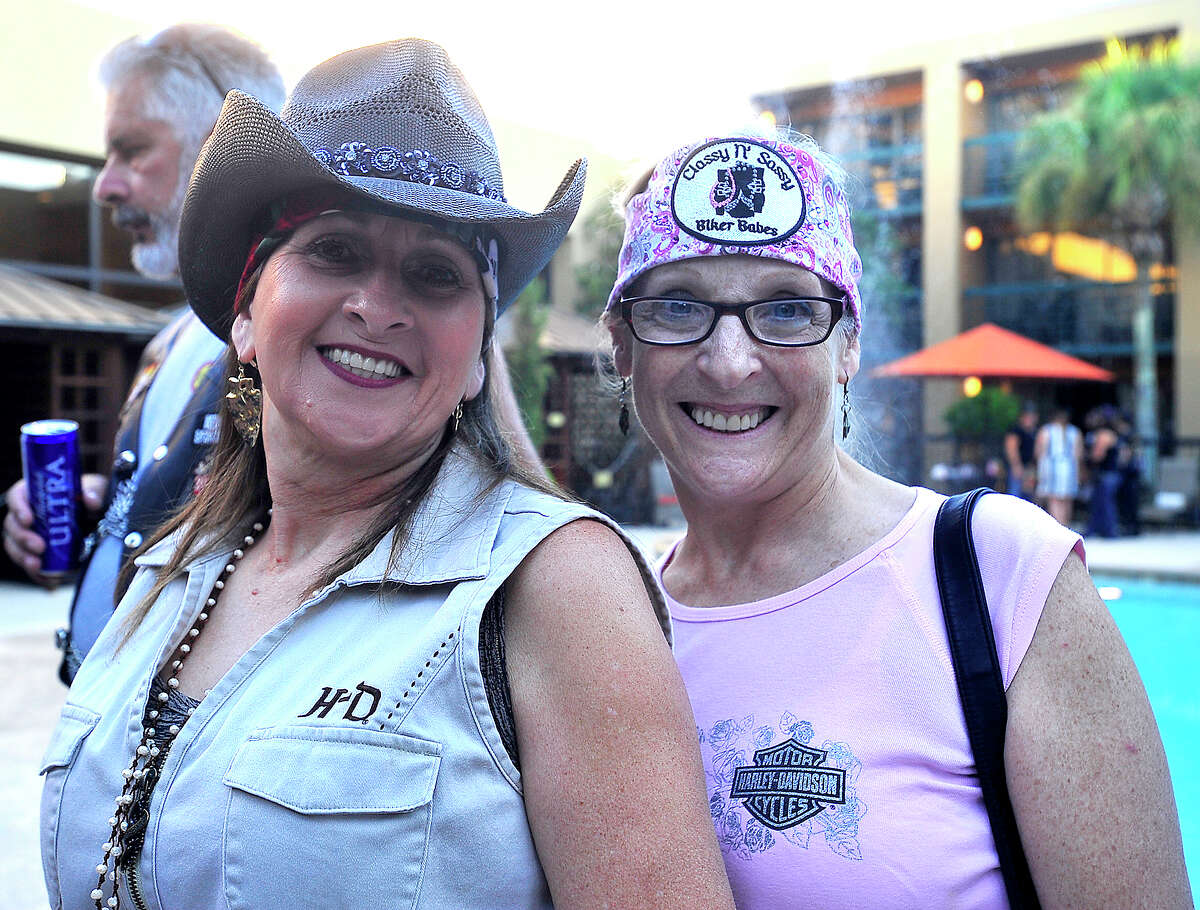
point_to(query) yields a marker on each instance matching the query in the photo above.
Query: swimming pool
(1161, 625)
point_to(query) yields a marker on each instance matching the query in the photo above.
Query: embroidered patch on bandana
(737, 192)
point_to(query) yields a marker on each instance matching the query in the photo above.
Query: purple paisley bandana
(738, 195)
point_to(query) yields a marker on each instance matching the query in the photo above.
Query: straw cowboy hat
(396, 124)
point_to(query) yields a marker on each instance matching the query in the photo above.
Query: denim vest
(348, 759)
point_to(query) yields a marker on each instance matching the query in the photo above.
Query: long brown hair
(237, 491)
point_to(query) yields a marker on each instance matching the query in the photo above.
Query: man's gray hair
(189, 69)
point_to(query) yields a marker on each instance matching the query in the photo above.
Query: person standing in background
(163, 97)
(1129, 492)
(1104, 470)
(1059, 453)
(1019, 443)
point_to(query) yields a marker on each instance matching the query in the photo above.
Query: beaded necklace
(143, 769)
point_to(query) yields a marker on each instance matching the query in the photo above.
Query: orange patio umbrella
(991, 351)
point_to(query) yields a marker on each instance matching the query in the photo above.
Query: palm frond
(1129, 139)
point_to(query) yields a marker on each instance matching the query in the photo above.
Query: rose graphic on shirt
(767, 782)
(724, 731)
(725, 764)
(799, 730)
(757, 838)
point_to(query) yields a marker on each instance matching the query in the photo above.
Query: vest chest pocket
(328, 817)
(74, 725)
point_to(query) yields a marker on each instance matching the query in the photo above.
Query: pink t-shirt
(839, 770)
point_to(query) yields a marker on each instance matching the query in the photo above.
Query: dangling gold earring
(623, 416)
(458, 412)
(245, 406)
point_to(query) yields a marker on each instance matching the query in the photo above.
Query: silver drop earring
(623, 416)
(846, 409)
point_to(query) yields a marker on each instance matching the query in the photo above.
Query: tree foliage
(1123, 156)
(528, 364)
(1122, 161)
(603, 229)
(891, 301)
(986, 416)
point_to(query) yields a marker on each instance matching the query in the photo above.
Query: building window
(50, 225)
(83, 381)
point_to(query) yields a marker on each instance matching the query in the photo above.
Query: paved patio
(1170, 555)
(1174, 556)
(30, 698)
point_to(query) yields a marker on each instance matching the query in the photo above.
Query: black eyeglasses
(791, 322)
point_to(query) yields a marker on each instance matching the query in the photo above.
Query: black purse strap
(980, 683)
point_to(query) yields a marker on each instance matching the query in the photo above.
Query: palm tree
(1122, 161)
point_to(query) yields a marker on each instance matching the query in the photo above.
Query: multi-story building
(69, 345)
(930, 131)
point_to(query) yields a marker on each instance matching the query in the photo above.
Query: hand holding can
(50, 457)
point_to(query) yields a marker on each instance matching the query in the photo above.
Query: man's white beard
(160, 258)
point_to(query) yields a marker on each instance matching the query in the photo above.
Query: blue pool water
(1161, 625)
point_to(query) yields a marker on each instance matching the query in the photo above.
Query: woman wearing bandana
(805, 600)
(375, 663)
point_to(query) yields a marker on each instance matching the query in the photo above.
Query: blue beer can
(50, 458)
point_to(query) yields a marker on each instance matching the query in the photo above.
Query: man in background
(163, 97)
(1018, 453)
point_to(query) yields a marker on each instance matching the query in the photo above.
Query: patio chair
(1177, 499)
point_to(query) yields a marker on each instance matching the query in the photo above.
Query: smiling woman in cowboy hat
(372, 665)
(807, 598)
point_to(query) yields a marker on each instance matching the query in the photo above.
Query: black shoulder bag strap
(980, 684)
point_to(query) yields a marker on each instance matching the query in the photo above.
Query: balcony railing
(94, 277)
(889, 178)
(1084, 318)
(989, 178)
